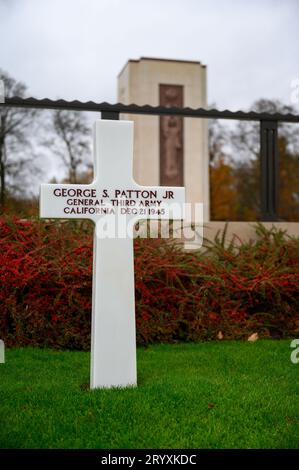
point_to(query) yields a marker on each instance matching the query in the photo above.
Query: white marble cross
(114, 201)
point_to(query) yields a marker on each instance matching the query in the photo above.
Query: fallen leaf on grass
(254, 337)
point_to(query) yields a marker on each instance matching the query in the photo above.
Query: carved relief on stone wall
(171, 138)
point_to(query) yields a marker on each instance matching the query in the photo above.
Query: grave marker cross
(112, 201)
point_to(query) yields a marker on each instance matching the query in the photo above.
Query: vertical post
(113, 336)
(110, 115)
(2, 351)
(269, 170)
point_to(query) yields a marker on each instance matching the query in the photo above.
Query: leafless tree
(246, 136)
(71, 141)
(219, 136)
(15, 127)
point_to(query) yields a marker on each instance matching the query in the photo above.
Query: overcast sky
(74, 49)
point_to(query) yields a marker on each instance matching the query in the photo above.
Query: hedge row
(45, 287)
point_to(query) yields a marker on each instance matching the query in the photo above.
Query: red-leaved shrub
(45, 286)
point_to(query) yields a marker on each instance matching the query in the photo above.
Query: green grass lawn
(204, 395)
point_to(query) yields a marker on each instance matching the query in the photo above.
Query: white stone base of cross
(113, 201)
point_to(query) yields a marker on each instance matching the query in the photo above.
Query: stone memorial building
(169, 150)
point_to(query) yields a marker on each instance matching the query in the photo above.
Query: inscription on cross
(114, 202)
